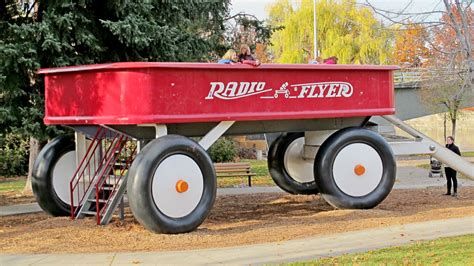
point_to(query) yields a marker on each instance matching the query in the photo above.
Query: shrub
(14, 150)
(247, 153)
(223, 150)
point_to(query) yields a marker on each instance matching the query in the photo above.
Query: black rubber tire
(325, 159)
(140, 178)
(277, 169)
(42, 179)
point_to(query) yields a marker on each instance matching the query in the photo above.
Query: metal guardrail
(404, 76)
(412, 77)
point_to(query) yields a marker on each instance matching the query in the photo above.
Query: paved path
(293, 250)
(20, 209)
(416, 177)
(421, 161)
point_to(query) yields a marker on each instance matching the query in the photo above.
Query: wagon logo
(235, 90)
(323, 90)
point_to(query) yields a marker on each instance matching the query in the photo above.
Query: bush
(223, 150)
(247, 153)
(14, 150)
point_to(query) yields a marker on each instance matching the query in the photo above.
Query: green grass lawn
(12, 184)
(261, 179)
(428, 166)
(468, 154)
(424, 166)
(444, 251)
(259, 167)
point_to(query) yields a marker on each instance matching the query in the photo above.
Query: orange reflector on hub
(359, 169)
(181, 186)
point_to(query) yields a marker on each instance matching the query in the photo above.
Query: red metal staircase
(98, 185)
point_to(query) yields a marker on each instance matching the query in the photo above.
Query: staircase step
(89, 213)
(100, 200)
(108, 188)
(114, 182)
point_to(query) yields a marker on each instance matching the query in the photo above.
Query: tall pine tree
(58, 33)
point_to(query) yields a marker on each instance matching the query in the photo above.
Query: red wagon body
(133, 122)
(320, 112)
(143, 93)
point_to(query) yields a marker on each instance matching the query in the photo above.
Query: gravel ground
(234, 220)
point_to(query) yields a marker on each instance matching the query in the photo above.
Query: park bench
(234, 169)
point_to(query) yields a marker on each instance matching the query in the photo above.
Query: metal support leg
(425, 145)
(215, 134)
(160, 129)
(312, 141)
(81, 147)
(122, 210)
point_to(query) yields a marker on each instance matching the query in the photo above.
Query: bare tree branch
(467, 33)
(406, 20)
(241, 14)
(465, 44)
(450, 81)
(30, 9)
(401, 12)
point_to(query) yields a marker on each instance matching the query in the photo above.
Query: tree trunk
(453, 129)
(444, 127)
(34, 150)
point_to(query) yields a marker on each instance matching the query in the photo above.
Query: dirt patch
(13, 197)
(234, 220)
(11, 191)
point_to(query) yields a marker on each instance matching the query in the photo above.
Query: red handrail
(74, 182)
(98, 168)
(111, 158)
(113, 143)
(123, 168)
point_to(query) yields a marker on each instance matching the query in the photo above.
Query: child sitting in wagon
(230, 57)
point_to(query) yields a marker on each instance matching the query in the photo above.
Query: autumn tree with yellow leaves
(344, 29)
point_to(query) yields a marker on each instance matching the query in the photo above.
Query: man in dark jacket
(451, 173)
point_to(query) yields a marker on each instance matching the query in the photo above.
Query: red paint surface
(140, 93)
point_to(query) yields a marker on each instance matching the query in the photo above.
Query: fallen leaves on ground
(234, 220)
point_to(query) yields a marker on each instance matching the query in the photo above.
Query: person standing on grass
(450, 172)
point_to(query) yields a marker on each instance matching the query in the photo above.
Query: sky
(257, 7)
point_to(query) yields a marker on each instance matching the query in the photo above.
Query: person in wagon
(246, 57)
(315, 61)
(330, 60)
(230, 57)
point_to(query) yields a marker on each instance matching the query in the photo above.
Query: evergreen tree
(58, 33)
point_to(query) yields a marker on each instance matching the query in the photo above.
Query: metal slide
(425, 145)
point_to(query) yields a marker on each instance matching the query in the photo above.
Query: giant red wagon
(320, 112)
(141, 93)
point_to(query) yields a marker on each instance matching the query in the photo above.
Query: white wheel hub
(357, 169)
(299, 169)
(62, 173)
(177, 186)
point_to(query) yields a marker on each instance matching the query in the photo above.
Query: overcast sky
(257, 7)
